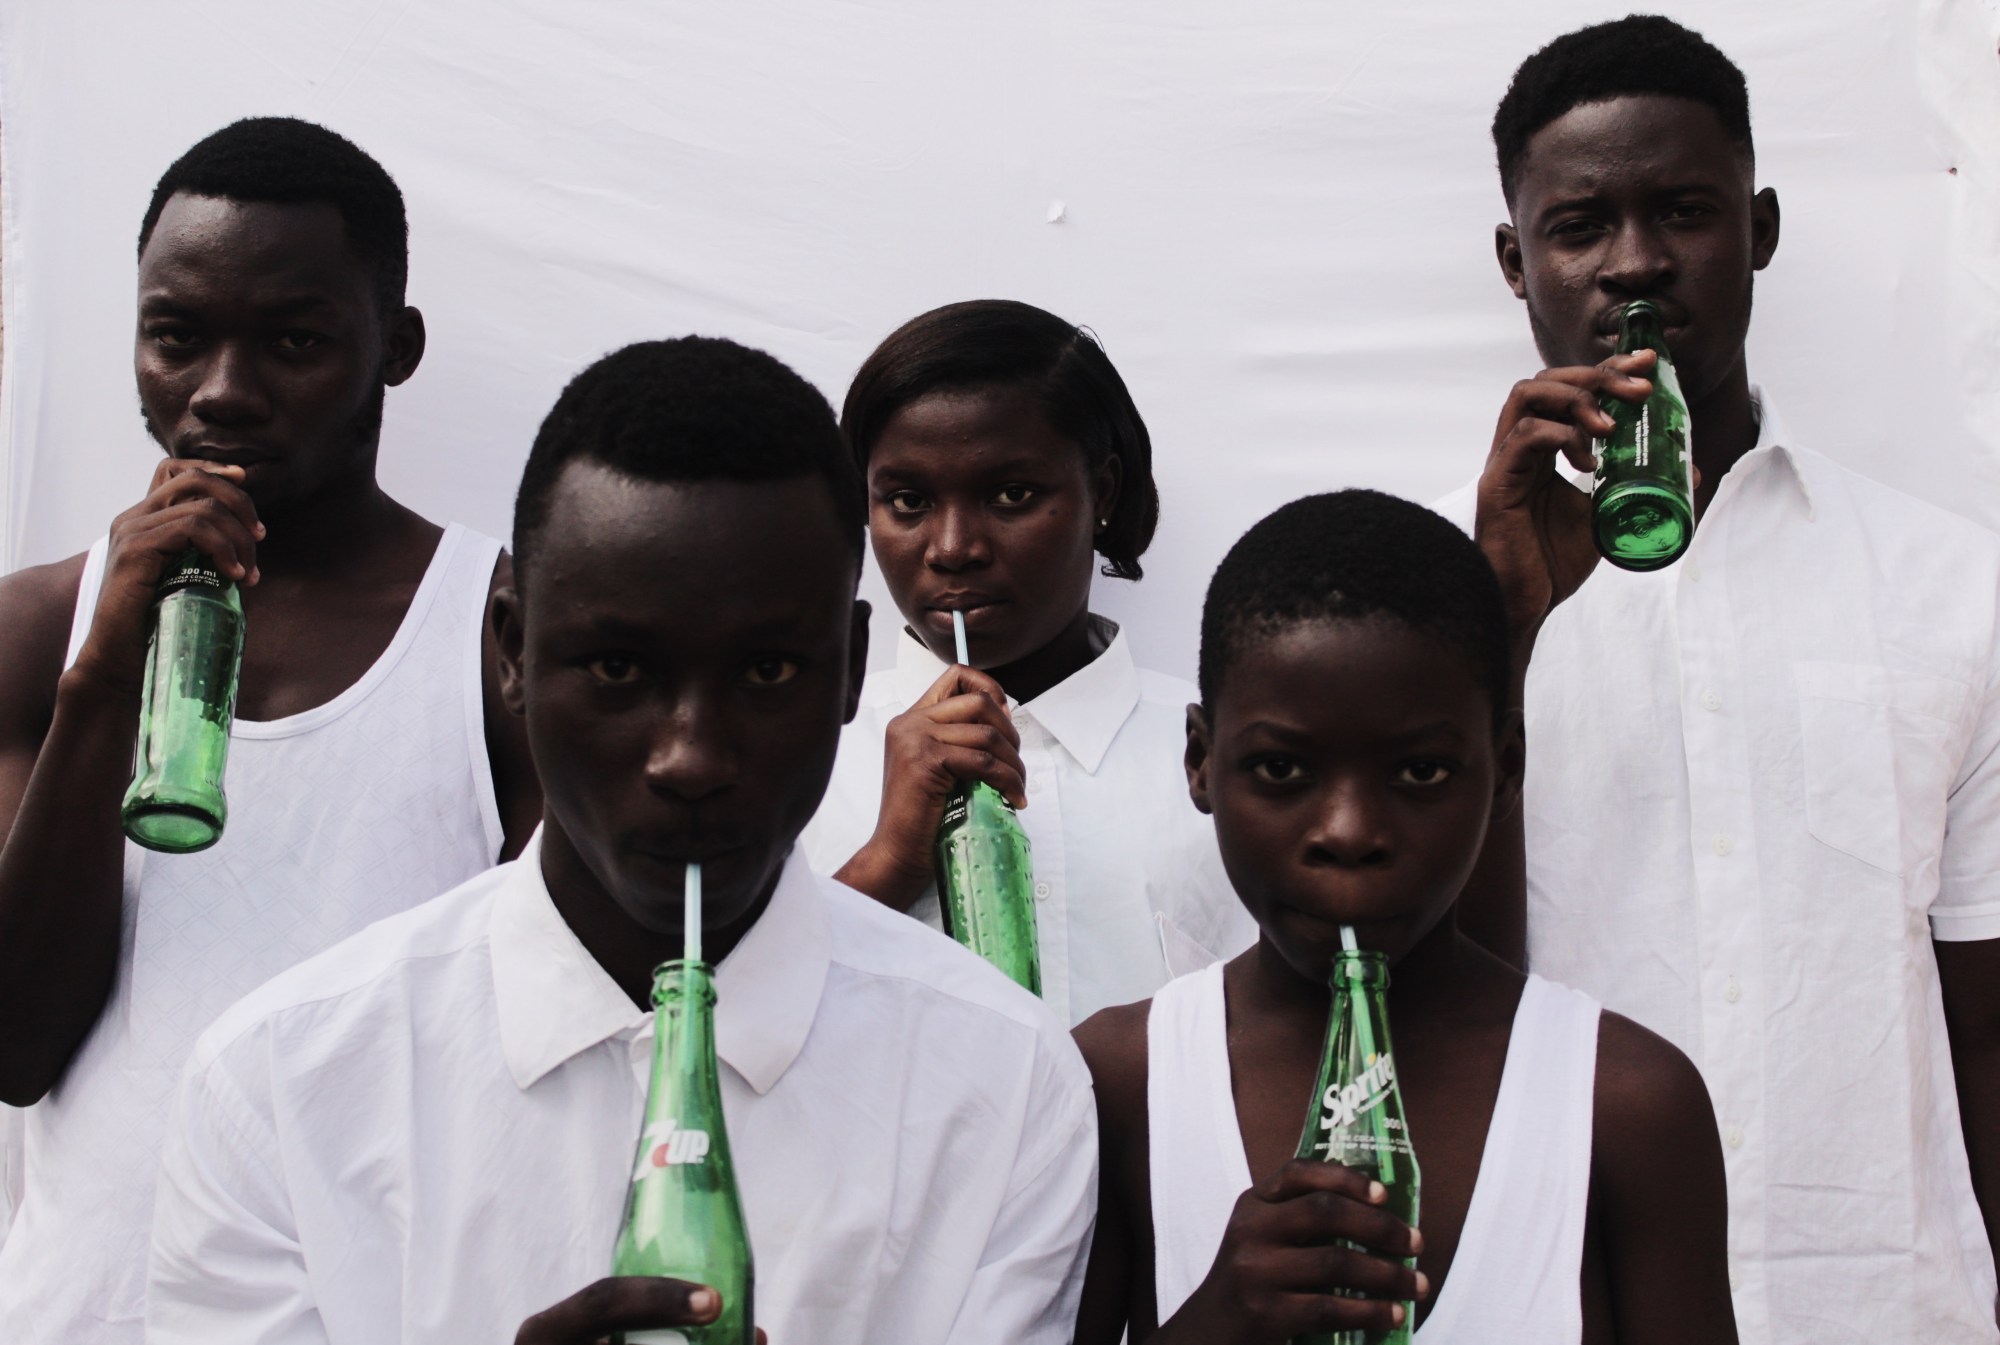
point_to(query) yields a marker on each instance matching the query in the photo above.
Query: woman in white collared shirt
(1004, 456)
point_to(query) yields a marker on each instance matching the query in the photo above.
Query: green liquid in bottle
(986, 882)
(175, 803)
(1356, 1116)
(683, 1217)
(1642, 500)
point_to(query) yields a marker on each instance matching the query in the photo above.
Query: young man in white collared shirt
(425, 1134)
(1762, 811)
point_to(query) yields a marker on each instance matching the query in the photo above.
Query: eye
(614, 670)
(1575, 230)
(1014, 495)
(904, 502)
(1423, 773)
(299, 340)
(1278, 770)
(770, 671)
(170, 338)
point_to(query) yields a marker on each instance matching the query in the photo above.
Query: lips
(1672, 315)
(226, 456)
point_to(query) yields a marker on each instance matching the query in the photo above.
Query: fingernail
(703, 1300)
(260, 529)
(1423, 1285)
(1416, 1240)
(1396, 1313)
(1377, 1193)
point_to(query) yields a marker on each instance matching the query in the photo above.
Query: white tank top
(1516, 1278)
(338, 816)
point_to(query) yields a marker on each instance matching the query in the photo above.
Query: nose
(1352, 829)
(956, 540)
(231, 391)
(1637, 261)
(692, 756)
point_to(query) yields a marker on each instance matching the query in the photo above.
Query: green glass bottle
(175, 803)
(1642, 499)
(1356, 1116)
(683, 1218)
(986, 882)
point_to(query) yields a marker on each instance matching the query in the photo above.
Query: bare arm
(1969, 975)
(1118, 1282)
(66, 757)
(515, 784)
(1658, 1202)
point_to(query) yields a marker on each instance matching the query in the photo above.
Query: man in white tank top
(370, 766)
(1353, 743)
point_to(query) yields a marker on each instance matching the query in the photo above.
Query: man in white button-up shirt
(425, 1134)
(1763, 801)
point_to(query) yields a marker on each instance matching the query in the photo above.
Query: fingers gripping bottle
(1642, 501)
(683, 1217)
(985, 880)
(1356, 1117)
(175, 803)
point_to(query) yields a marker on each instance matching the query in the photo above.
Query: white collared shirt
(1129, 886)
(425, 1134)
(1760, 782)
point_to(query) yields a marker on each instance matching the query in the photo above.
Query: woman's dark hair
(999, 343)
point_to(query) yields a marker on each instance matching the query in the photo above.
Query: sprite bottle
(683, 1218)
(986, 883)
(175, 803)
(1641, 501)
(1356, 1117)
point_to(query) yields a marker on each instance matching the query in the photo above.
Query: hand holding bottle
(1534, 526)
(1282, 1262)
(619, 1303)
(958, 731)
(191, 505)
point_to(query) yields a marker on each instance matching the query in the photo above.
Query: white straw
(1347, 940)
(958, 634)
(691, 913)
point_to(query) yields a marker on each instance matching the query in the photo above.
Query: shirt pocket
(1879, 747)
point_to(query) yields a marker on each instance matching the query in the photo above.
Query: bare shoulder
(1113, 1043)
(503, 572)
(37, 605)
(1651, 1103)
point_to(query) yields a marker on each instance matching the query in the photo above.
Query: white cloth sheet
(424, 1136)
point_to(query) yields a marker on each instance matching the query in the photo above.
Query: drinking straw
(958, 634)
(1347, 939)
(691, 913)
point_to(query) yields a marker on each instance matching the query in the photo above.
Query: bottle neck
(684, 1066)
(1640, 329)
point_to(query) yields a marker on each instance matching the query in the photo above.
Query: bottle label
(955, 808)
(666, 1145)
(1359, 1096)
(192, 570)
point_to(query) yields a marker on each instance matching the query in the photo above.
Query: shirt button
(1733, 1137)
(1694, 572)
(1041, 891)
(1710, 701)
(1723, 845)
(1735, 1281)
(1035, 785)
(1732, 992)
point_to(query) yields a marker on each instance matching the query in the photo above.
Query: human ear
(402, 346)
(1510, 758)
(503, 613)
(1104, 485)
(1507, 250)
(1197, 756)
(1763, 228)
(857, 658)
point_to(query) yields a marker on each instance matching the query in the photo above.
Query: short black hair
(698, 408)
(286, 161)
(1002, 343)
(1638, 54)
(1352, 555)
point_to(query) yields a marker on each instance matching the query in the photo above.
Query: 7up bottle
(682, 1215)
(175, 803)
(1356, 1117)
(1642, 503)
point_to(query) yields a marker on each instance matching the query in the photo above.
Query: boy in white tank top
(366, 772)
(1353, 743)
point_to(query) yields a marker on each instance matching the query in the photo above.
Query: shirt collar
(555, 1001)
(1083, 712)
(1773, 434)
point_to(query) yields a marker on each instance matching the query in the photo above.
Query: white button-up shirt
(1129, 886)
(425, 1134)
(1761, 781)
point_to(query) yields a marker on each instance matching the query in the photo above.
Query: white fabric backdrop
(1276, 213)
